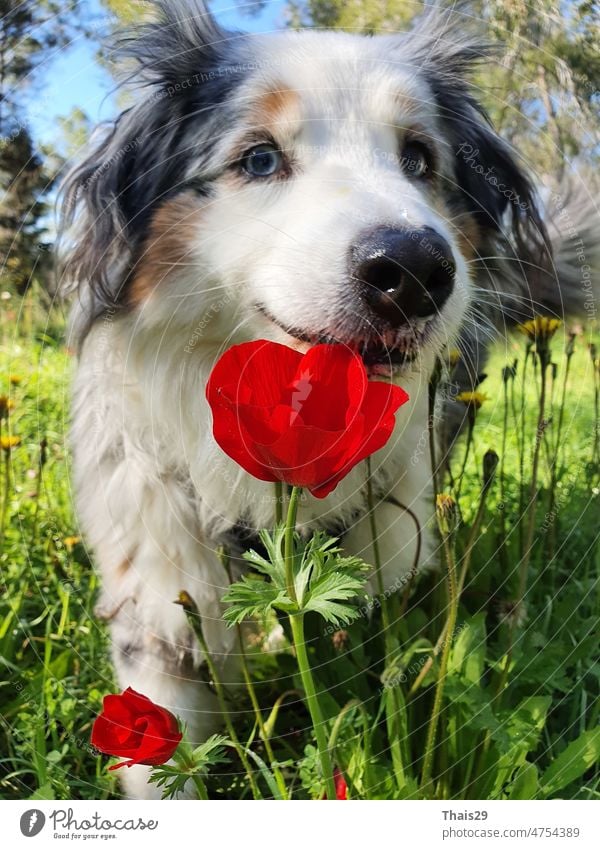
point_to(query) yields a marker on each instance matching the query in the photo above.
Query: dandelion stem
(441, 680)
(191, 611)
(433, 384)
(385, 613)
(526, 555)
(521, 443)
(554, 464)
(387, 636)
(468, 446)
(259, 718)
(5, 499)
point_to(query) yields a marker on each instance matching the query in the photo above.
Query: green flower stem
(278, 502)
(182, 757)
(441, 681)
(297, 623)
(470, 430)
(5, 499)
(385, 613)
(393, 715)
(554, 463)
(188, 604)
(432, 391)
(288, 544)
(259, 718)
(200, 787)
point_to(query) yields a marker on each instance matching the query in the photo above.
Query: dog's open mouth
(381, 352)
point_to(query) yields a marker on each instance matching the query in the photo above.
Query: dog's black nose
(403, 274)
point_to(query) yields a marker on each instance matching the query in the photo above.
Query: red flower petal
(134, 727)
(305, 420)
(329, 386)
(263, 368)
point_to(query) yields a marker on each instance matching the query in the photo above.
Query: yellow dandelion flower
(542, 327)
(445, 502)
(9, 442)
(445, 508)
(71, 542)
(15, 379)
(454, 357)
(472, 399)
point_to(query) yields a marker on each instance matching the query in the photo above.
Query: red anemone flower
(304, 419)
(132, 726)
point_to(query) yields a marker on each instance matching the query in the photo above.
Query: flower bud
(490, 464)
(340, 640)
(445, 508)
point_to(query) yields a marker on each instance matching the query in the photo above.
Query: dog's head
(300, 185)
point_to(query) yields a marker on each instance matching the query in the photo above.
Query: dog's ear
(488, 181)
(134, 163)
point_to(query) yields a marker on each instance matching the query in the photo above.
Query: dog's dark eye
(415, 159)
(264, 160)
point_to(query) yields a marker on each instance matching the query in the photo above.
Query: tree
(542, 91)
(29, 31)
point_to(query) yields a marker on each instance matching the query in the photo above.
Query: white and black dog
(297, 186)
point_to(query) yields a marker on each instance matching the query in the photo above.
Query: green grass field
(520, 711)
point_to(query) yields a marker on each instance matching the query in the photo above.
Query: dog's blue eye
(264, 160)
(415, 159)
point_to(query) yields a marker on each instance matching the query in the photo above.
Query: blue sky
(74, 78)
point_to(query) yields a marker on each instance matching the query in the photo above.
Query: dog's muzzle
(402, 274)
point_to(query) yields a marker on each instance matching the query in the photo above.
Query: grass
(518, 710)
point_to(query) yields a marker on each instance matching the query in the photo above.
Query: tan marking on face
(170, 239)
(468, 235)
(276, 109)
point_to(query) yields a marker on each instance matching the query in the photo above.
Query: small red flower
(341, 788)
(304, 419)
(132, 726)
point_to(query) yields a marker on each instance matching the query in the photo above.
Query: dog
(299, 187)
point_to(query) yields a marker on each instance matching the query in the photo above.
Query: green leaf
(469, 649)
(251, 596)
(525, 784)
(43, 792)
(519, 735)
(577, 758)
(210, 752)
(326, 593)
(266, 773)
(323, 580)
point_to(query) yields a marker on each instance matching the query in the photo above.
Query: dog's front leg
(148, 550)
